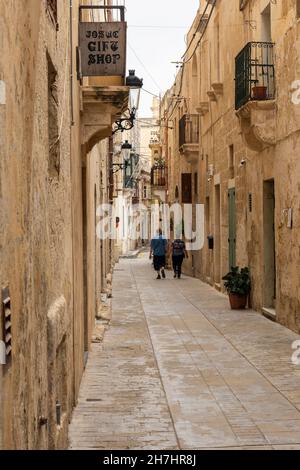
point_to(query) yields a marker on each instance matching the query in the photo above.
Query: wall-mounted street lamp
(127, 122)
(122, 166)
(126, 146)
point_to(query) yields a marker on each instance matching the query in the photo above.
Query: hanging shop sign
(103, 49)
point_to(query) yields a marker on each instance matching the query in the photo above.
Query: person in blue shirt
(158, 250)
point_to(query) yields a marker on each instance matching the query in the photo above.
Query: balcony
(100, 107)
(189, 137)
(158, 176)
(255, 94)
(254, 73)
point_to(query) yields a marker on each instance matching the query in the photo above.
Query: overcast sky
(156, 37)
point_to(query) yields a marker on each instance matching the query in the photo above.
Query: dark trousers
(159, 262)
(177, 264)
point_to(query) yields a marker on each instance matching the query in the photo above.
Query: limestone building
(55, 170)
(234, 146)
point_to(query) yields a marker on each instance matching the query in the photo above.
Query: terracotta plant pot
(238, 302)
(259, 92)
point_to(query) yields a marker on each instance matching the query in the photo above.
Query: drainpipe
(71, 63)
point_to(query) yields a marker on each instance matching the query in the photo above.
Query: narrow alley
(179, 370)
(133, 130)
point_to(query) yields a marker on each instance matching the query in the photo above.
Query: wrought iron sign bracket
(125, 123)
(120, 166)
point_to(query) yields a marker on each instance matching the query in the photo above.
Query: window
(53, 133)
(231, 162)
(195, 81)
(217, 58)
(145, 192)
(266, 26)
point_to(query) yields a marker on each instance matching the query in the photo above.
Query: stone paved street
(179, 370)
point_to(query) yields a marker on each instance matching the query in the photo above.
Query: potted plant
(259, 92)
(238, 285)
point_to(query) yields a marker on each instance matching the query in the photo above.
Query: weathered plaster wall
(36, 227)
(54, 265)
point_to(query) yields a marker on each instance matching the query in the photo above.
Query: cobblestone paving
(179, 370)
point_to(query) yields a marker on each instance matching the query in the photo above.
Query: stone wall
(36, 219)
(50, 257)
(275, 132)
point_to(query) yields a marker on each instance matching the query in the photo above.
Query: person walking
(158, 250)
(178, 254)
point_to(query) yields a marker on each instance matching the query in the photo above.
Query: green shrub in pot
(238, 285)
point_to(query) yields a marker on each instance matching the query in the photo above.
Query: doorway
(85, 256)
(231, 228)
(217, 251)
(266, 28)
(207, 225)
(269, 245)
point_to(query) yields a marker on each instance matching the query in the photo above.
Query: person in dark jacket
(158, 249)
(178, 254)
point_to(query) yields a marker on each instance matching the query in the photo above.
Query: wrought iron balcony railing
(254, 73)
(158, 175)
(189, 129)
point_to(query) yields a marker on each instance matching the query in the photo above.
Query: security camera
(243, 162)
